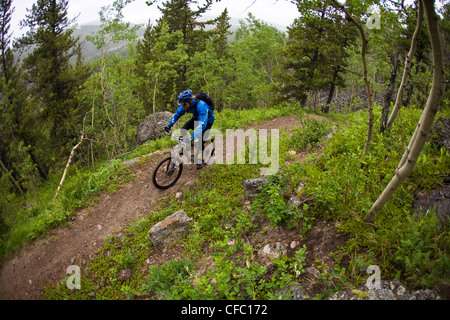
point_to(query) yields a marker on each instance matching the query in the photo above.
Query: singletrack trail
(45, 260)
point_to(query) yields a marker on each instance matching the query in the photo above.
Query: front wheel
(167, 173)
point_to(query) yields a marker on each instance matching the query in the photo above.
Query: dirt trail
(45, 261)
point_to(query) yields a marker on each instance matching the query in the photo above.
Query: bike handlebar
(180, 138)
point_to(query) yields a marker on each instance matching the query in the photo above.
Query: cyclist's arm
(178, 114)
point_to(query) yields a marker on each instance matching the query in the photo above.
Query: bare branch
(67, 166)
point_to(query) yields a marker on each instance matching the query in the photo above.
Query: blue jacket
(201, 112)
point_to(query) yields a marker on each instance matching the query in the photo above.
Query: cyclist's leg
(206, 135)
(189, 125)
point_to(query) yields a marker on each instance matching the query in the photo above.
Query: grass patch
(343, 184)
(21, 222)
(340, 185)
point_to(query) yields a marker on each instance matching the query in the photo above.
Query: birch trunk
(407, 69)
(388, 96)
(408, 162)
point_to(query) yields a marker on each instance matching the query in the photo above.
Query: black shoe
(199, 166)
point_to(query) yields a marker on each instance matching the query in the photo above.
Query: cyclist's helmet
(185, 96)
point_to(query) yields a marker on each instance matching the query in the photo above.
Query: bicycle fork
(170, 168)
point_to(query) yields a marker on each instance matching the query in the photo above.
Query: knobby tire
(166, 162)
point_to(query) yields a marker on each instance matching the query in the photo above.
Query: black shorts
(189, 125)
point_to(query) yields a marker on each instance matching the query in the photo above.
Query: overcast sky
(279, 12)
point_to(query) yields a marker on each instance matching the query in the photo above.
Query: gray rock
(169, 230)
(312, 273)
(294, 244)
(119, 236)
(439, 199)
(152, 127)
(252, 186)
(389, 290)
(267, 249)
(294, 201)
(293, 291)
(330, 133)
(274, 251)
(440, 133)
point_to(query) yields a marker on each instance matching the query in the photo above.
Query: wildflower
(231, 242)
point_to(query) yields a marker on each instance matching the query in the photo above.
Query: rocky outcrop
(169, 230)
(388, 290)
(152, 127)
(252, 186)
(439, 199)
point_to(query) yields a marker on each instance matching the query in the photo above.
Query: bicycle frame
(178, 149)
(170, 164)
(182, 149)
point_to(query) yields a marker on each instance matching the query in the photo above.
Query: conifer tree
(143, 57)
(6, 70)
(315, 53)
(212, 70)
(180, 16)
(6, 12)
(18, 159)
(53, 78)
(8, 108)
(221, 33)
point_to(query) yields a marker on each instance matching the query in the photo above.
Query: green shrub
(309, 134)
(422, 252)
(273, 202)
(170, 281)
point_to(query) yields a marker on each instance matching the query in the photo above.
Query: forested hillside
(375, 69)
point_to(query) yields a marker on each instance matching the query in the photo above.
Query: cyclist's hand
(167, 129)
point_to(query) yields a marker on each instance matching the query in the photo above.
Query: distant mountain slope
(91, 53)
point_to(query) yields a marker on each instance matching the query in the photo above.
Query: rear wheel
(167, 173)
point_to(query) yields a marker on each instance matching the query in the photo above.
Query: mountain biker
(202, 116)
